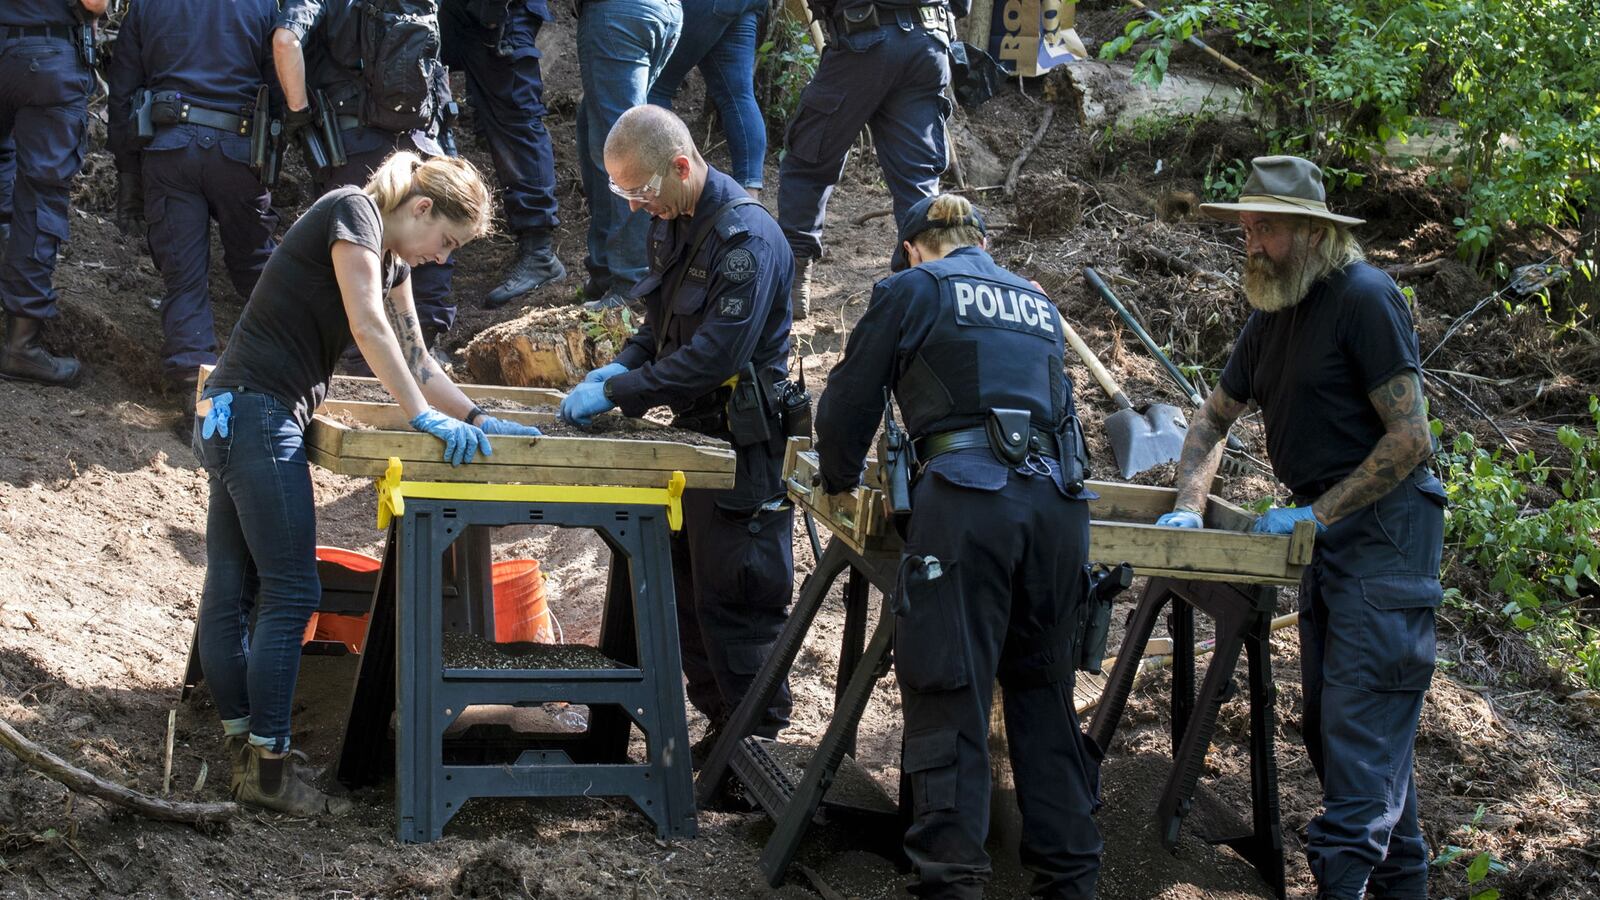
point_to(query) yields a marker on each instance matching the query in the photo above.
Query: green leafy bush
(785, 63)
(1542, 565)
(1519, 80)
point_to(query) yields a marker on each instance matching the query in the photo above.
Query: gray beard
(1270, 287)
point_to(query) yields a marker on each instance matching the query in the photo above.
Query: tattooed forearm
(1202, 449)
(1405, 443)
(409, 333)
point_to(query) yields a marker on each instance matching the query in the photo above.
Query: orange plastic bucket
(348, 630)
(520, 613)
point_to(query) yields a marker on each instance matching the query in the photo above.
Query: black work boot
(185, 386)
(536, 265)
(23, 358)
(430, 339)
(800, 295)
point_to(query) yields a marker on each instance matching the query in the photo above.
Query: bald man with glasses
(713, 348)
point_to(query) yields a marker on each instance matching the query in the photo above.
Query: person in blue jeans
(341, 273)
(622, 47)
(719, 36)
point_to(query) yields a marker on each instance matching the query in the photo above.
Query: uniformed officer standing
(886, 66)
(44, 106)
(496, 43)
(1330, 356)
(993, 577)
(200, 97)
(319, 46)
(715, 308)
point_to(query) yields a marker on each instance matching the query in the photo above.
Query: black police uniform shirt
(1311, 367)
(216, 54)
(1000, 343)
(36, 12)
(732, 308)
(294, 328)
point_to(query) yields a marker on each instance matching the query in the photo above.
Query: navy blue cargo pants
(507, 93)
(891, 80)
(1366, 658)
(733, 573)
(1002, 601)
(193, 174)
(44, 96)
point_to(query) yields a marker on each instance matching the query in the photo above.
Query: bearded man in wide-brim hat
(1330, 357)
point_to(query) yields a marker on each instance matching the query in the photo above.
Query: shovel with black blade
(1139, 440)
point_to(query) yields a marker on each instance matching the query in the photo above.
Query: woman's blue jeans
(719, 36)
(261, 558)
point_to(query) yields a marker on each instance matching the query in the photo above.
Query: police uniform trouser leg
(8, 180)
(887, 77)
(44, 91)
(508, 108)
(742, 563)
(246, 222)
(1367, 654)
(1011, 564)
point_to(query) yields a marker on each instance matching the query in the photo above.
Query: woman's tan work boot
(273, 783)
(237, 748)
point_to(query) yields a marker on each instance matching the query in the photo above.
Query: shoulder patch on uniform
(732, 306)
(739, 266)
(732, 227)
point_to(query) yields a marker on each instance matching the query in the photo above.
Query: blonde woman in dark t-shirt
(342, 272)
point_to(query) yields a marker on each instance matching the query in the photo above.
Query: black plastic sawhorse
(404, 670)
(1243, 617)
(861, 664)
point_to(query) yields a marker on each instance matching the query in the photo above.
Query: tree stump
(543, 348)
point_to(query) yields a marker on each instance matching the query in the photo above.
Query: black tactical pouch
(750, 409)
(1074, 454)
(144, 123)
(1009, 431)
(857, 19)
(1102, 585)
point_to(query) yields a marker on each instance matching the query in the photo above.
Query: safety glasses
(650, 191)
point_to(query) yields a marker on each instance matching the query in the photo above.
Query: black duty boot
(185, 386)
(800, 295)
(23, 358)
(536, 265)
(430, 339)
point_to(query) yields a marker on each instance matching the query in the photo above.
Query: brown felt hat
(1280, 184)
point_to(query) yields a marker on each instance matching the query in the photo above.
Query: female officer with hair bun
(340, 273)
(993, 573)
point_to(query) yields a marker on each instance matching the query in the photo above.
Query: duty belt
(866, 18)
(930, 445)
(11, 32)
(171, 108)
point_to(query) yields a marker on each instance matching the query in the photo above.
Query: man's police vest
(996, 342)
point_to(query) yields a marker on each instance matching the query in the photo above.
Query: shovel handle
(1127, 318)
(1095, 368)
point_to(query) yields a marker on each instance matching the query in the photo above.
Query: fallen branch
(866, 217)
(1038, 137)
(1414, 270)
(83, 782)
(1174, 265)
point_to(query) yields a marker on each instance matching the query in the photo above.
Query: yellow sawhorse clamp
(393, 491)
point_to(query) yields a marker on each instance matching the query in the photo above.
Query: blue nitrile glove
(1181, 518)
(218, 418)
(606, 371)
(461, 441)
(1281, 519)
(491, 425)
(586, 401)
